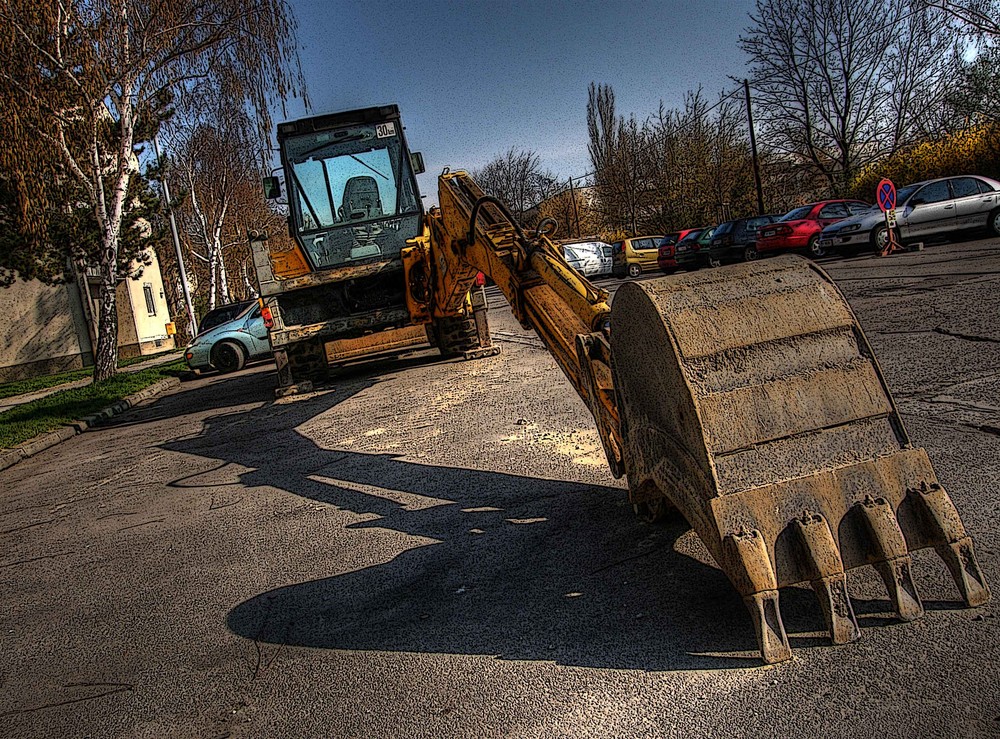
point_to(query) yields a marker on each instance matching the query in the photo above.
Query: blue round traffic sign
(885, 194)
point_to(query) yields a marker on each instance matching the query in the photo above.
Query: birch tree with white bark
(87, 81)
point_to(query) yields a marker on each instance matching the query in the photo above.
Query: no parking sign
(885, 194)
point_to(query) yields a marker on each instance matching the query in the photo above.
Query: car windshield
(797, 214)
(724, 228)
(693, 236)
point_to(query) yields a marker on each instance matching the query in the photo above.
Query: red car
(666, 255)
(799, 228)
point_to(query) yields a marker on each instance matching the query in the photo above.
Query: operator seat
(361, 199)
(361, 202)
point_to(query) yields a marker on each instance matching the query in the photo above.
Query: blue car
(231, 335)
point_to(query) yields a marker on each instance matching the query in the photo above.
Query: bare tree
(922, 64)
(700, 164)
(517, 178)
(617, 152)
(217, 167)
(982, 17)
(88, 80)
(841, 84)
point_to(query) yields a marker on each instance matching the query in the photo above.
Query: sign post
(885, 195)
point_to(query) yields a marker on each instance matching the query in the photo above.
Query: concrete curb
(10, 457)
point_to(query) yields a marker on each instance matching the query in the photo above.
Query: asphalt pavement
(431, 549)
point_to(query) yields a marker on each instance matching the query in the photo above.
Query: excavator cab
(352, 189)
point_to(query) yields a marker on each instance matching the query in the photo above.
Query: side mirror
(272, 188)
(417, 162)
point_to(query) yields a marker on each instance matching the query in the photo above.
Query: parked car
(800, 227)
(634, 256)
(589, 258)
(734, 241)
(932, 208)
(230, 336)
(675, 247)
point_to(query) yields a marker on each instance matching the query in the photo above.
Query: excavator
(746, 399)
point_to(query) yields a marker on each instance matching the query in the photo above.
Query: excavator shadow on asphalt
(519, 568)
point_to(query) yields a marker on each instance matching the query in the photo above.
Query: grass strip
(47, 414)
(31, 384)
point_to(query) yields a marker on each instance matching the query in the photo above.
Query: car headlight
(850, 227)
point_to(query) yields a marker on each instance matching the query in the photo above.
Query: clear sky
(474, 78)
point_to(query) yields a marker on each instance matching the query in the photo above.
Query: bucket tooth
(891, 557)
(749, 568)
(956, 549)
(829, 581)
(960, 557)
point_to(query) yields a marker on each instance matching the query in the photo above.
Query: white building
(49, 329)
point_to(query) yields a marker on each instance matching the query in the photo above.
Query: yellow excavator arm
(747, 398)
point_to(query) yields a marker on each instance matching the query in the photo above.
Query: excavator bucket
(751, 400)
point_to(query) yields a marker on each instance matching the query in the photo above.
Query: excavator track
(751, 400)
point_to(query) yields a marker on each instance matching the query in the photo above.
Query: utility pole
(192, 321)
(576, 214)
(753, 151)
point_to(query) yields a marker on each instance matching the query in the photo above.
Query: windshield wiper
(365, 164)
(326, 144)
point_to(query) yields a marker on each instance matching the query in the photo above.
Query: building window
(147, 290)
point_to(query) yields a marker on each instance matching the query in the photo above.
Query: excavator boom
(746, 397)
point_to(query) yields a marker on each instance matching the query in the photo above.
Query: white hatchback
(589, 258)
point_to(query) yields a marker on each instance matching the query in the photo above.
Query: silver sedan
(929, 208)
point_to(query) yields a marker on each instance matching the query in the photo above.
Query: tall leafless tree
(216, 165)
(840, 83)
(618, 154)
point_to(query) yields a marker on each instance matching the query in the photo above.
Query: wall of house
(143, 314)
(43, 330)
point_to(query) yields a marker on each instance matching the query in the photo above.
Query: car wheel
(880, 238)
(634, 270)
(815, 250)
(750, 254)
(995, 222)
(228, 356)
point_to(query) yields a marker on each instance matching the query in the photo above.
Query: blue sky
(474, 78)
